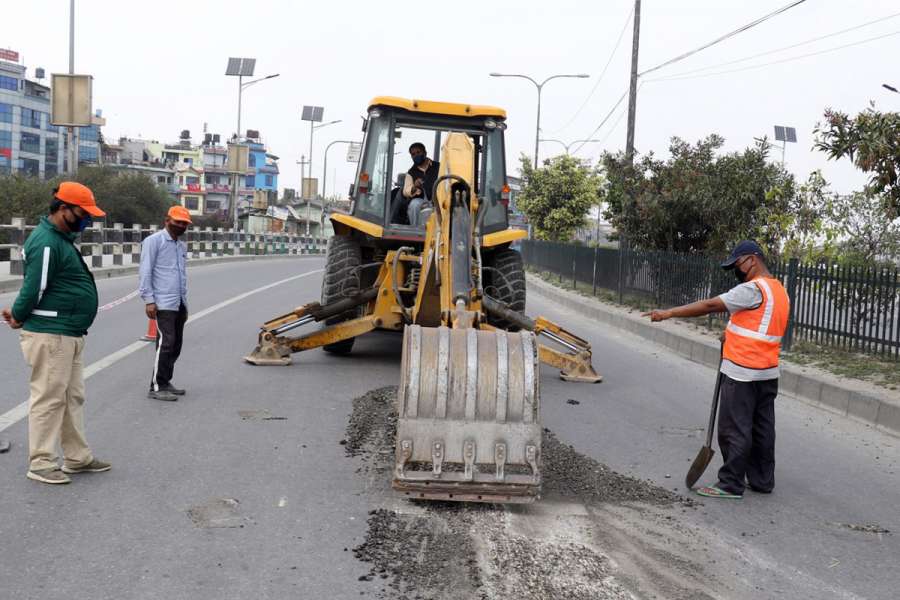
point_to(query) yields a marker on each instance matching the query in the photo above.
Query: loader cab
(391, 127)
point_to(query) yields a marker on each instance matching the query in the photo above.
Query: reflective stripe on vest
(753, 337)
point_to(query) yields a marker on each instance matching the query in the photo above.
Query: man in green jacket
(55, 307)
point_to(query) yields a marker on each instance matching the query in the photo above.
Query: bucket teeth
(469, 458)
(531, 459)
(403, 458)
(500, 460)
(437, 458)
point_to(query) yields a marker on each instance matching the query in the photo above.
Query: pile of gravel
(567, 473)
(570, 474)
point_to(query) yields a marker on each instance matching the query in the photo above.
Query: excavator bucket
(468, 416)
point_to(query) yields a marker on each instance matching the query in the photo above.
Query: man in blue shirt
(163, 286)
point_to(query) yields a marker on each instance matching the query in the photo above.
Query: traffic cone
(150, 336)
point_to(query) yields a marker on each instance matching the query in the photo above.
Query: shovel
(706, 452)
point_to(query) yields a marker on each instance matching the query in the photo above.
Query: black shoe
(758, 490)
(162, 395)
(172, 389)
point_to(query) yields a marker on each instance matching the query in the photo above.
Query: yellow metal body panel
(438, 108)
(502, 237)
(358, 224)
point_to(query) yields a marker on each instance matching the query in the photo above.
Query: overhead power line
(615, 124)
(783, 48)
(722, 38)
(777, 62)
(602, 73)
(605, 119)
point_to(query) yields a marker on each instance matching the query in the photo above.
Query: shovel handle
(715, 400)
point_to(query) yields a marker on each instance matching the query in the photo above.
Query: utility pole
(632, 90)
(629, 140)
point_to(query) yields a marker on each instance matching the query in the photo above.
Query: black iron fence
(855, 308)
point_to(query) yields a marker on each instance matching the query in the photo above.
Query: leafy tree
(127, 198)
(556, 198)
(872, 141)
(866, 236)
(700, 201)
(22, 196)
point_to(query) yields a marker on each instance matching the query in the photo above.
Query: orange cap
(180, 213)
(76, 194)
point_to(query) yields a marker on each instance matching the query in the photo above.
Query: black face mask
(740, 275)
(177, 231)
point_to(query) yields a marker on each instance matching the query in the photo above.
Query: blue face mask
(418, 159)
(80, 224)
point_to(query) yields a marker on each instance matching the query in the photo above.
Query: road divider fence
(118, 245)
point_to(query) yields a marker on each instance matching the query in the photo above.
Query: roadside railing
(119, 245)
(854, 308)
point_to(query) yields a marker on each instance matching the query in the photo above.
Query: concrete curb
(848, 398)
(13, 284)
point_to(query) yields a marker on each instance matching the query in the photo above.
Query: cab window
(373, 180)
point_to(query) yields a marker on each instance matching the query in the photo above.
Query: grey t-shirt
(745, 296)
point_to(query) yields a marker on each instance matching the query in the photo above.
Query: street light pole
(240, 68)
(312, 129)
(73, 131)
(241, 87)
(325, 161)
(540, 87)
(890, 87)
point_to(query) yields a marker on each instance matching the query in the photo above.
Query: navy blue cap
(744, 248)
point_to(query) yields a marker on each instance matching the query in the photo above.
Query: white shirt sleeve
(745, 296)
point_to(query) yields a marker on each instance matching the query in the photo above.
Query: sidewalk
(858, 400)
(12, 283)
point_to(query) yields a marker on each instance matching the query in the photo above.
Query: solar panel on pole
(790, 134)
(234, 66)
(313, 113)
(248, 65)
(779, 133)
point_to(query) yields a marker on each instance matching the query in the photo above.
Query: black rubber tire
(506, 283)
(342, 260)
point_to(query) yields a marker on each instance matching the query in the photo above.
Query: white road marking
(282, 502)
(116, 303)
(19, 412)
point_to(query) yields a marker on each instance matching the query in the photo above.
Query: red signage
(193, 187)
(9, 55)
(7, 152)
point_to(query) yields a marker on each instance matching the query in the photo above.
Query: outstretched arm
(695, 309)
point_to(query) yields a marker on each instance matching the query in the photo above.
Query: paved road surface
(242, 489)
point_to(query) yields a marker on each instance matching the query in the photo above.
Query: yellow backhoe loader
(438, 266)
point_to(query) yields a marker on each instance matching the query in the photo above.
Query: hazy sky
(159, 68)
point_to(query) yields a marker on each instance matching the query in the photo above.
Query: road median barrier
(858, 400)
(12, 284)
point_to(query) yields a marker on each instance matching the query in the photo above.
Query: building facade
(29, 143)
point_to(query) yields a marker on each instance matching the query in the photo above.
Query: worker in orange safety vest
(759, 307)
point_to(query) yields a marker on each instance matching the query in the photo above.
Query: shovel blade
(704, 457)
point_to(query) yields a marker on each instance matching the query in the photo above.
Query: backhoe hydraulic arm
(274, 349)
(574, 365)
